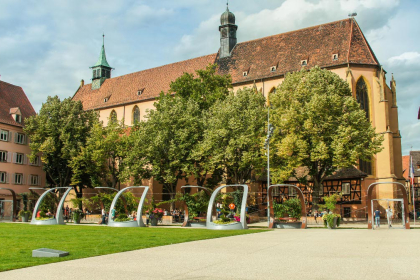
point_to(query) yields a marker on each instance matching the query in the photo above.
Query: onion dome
(227, 17)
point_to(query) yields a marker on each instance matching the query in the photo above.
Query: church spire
(101, 70)
(102, 56)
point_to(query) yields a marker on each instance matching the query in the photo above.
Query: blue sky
(47, 46)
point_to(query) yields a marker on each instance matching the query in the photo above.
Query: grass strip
(18, 240)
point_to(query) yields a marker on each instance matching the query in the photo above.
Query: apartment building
(17, 172)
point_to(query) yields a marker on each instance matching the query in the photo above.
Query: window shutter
(7, 178)
(16, 137)
(23, 180)
(24, 139)
(9, 139)
(9, 157)
(25, 159)
(14, 157)
(14, 178)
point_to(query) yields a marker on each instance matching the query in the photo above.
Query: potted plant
(77, 212)
(77, 215)
(288, 213)
(226, 213)
(24, 213)
(155, 215)
(331, 219)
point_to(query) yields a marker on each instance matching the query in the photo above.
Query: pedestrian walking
(377, 215)
(389, 214)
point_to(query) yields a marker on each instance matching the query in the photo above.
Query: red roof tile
(123, 89)
(285, 51)
(12, 96)
(315, 44)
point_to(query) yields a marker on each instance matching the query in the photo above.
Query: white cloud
(408, 58)
(290, 15)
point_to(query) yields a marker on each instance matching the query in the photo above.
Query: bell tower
(227, 31)
(101, 70)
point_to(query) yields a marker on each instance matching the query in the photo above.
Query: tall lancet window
(136, 114)
(363, 99)
(362, 96)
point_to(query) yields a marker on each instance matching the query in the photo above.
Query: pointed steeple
(101, 70)
(102, 56)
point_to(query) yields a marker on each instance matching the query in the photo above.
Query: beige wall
(11, 168)
(126, 112)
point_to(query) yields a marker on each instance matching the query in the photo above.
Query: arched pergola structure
(238, 225)
(139, 222)
(13, 219)
(369, 204)
(59, 216)
(186, 224)
(270, 204)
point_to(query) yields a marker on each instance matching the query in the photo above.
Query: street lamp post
(270, 130)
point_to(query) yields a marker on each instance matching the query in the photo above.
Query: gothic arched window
(136, 114)
(113, 116)
(362, 96)
(363, 99)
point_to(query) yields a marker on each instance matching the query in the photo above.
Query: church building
(339, 46)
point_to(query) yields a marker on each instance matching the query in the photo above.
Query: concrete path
(279, 254)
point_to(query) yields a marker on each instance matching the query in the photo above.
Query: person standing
(103, 216)
(389, 214)
(377, 215)
(113, 213)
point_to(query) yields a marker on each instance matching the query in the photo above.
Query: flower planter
(154, 222)
(334, 225)
(77, 220)
(290, 225)
(25, 218)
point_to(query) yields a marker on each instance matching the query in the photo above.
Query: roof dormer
(16, 114)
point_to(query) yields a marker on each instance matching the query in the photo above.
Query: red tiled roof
(123, 89)
(12, 96)
(285, 51)
(315, 44)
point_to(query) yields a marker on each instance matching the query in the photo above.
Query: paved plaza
(278, 254)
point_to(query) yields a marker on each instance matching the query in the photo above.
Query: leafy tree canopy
(233, 131)
(58, 132)
(102, 157)
(162, 145)
(318, 124)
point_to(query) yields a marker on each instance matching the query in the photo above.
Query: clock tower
(227, 31)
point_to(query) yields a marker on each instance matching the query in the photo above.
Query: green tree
(58, 132)
(232, 137)
(205, 87)
(318, 124)
(162, 146)
(102, 157)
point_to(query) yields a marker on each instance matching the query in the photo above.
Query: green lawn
(18, 240)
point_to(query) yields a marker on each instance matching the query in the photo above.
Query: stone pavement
(278, 254)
